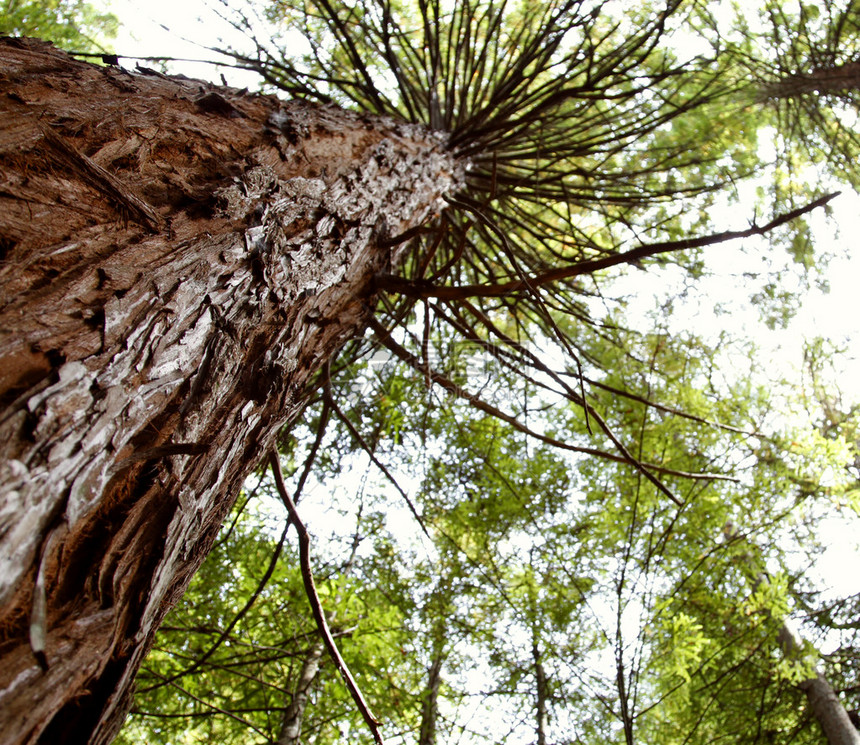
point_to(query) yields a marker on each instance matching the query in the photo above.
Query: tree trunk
(826, 707)
(541, 697)
(430, 705)
(839, 79)
(291, 726)
(178, 261)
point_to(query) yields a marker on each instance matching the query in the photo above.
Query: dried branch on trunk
(316, 606)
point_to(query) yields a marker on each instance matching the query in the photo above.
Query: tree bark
(838, 79)
(178, 261)
(291, 726)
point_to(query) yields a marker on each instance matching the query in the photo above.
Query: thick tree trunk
(840, 79)
(178, 261)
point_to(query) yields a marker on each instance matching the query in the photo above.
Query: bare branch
(422, 289)
(316, 605)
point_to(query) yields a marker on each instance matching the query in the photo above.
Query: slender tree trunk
(541, 696)
(430, 706)
(826, 707)
(178, 261)
(291, 725)
(839, 79)
(291, 728)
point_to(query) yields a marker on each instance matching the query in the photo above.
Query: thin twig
(353, 430)
(314, 600)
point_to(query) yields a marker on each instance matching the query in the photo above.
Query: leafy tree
(709, 626)
(808, 78)
(71, 24)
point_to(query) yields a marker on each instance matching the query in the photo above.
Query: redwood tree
(178, 261)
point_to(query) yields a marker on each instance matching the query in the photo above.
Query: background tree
(809, 78)
(70, 24)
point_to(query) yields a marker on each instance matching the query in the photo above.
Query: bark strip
(424, 289)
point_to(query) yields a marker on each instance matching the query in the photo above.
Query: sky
(168, 28)
(178, 29)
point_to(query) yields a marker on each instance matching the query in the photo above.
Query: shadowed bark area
(178, 260)
(837, 79)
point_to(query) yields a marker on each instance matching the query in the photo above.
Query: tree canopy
(71, 24)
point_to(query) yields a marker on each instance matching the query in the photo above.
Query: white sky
(166, 28)
(179, 29)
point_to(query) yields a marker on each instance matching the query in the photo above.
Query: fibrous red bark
(178, 261)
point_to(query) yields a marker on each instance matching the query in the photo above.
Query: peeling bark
(178, 260)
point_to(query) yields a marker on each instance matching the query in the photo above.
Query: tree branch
(314, 600)
(424, 289)
(476, 402)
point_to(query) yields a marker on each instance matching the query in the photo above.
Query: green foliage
(532, 548)
(76, 25)
(600, 517)
(796, 62)
(188, 683)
